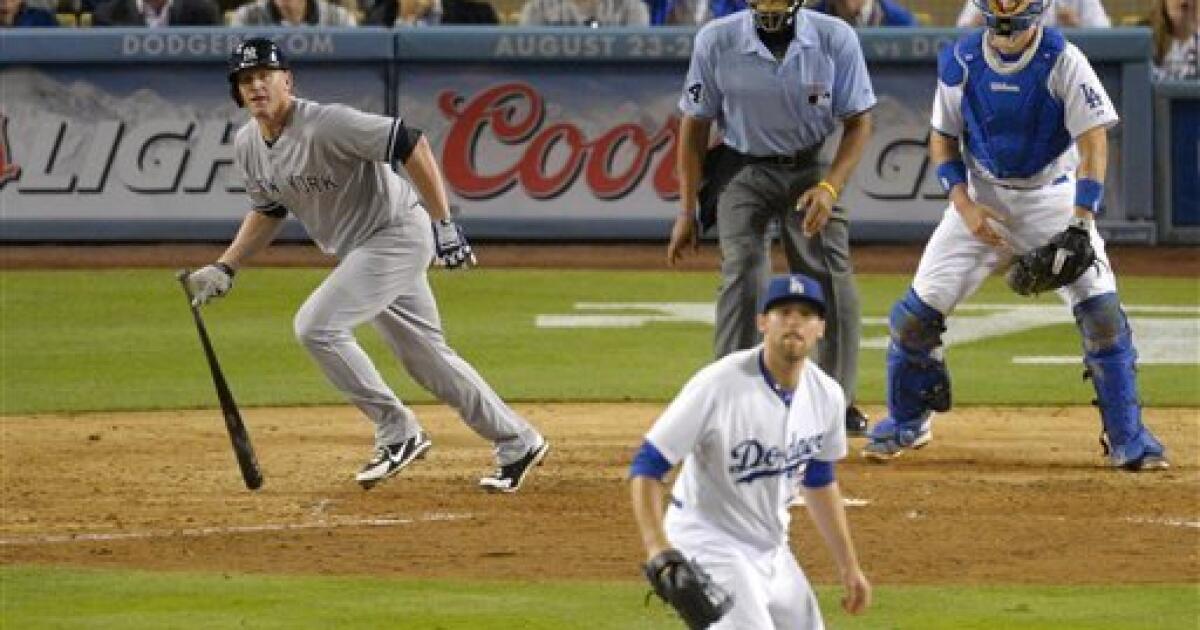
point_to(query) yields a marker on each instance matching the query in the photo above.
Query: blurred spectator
(714, 9)
(156, 13)
(858, 13)
(1176, 40)
(468, 12)
(677, 12)
(854, 12)
(1063, 14)
(49, 6)
(591, 13)
(292, 13)
(14, 13)
(393, 13)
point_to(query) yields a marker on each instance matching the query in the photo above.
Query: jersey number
(1091, 96)
(693, 90)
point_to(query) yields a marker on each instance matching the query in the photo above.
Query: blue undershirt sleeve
(649, 462)
(818, 474)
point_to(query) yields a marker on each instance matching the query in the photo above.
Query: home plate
(798, 500)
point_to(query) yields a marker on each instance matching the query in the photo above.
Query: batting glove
(451, 245)
(208, 282)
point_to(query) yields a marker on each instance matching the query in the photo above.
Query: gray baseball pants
(384, 282)
(756, 196)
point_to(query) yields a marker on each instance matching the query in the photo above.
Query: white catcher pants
(383, 281)
(955, 263)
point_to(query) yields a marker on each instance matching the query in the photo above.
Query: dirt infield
(1005, 495)
(1009, 495)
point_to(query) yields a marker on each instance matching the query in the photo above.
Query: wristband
(229, 271)
(1088, 193)
(833, 192)
(951, 174)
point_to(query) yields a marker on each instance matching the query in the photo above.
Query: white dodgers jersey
(330, 167)
(744, 449)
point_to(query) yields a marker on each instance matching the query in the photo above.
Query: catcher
(748, 429)
(1020, 126)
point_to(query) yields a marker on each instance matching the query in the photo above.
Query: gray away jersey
(330, 168)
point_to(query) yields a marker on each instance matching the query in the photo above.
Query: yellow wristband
(833, 192)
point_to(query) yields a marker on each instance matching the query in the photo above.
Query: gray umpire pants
(384, 282)
(756, 196)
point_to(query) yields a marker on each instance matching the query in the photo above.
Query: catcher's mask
(257, 52)
(773, 16)
(1009, 17)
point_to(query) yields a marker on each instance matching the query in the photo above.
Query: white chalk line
(199, 532)
(798, 501)
(1173, 522)
(1137, 520)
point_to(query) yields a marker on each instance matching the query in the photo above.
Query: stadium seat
(1132, 20)
(85, 20)
(923, 18)
(69, 20)
(228, 18)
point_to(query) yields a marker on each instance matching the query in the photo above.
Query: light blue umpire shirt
(770, 107)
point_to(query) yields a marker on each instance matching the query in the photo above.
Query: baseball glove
(1054, 265)
(688, 589)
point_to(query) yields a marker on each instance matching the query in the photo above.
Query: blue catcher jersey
(1017, 120)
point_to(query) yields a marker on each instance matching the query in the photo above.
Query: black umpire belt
(803, 158)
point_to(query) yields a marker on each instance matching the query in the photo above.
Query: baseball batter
(777, 79)
(1020, 122)
(330, 166)
(746, 429)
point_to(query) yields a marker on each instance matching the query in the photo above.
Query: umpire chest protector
(1014, 124)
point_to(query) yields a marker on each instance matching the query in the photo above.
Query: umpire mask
(773, 16)
(1009, 17)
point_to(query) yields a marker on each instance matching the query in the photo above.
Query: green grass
(38, 598)
(120, 340)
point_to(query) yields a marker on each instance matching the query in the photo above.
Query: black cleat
(509, 477)
(856, 422)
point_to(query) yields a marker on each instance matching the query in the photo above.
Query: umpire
(777, 78)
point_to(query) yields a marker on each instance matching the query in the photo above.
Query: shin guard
(918, 381)
(1110, 361)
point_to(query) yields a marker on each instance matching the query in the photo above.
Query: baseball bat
(238, 435)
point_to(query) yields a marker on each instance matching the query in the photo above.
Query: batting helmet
(257, 52)
(1006, 17)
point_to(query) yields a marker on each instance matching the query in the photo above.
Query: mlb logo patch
(818, 94)
(795, 287)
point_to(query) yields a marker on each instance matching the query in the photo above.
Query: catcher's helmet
(774, 15)
(1008, 17)
(258, 52)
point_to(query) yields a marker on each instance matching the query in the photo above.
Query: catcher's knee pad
(1110, 360)
(918, 381)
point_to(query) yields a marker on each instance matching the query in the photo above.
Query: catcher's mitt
(1054, 265)
(688, 589)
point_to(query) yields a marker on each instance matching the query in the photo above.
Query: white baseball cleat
(391, 459)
